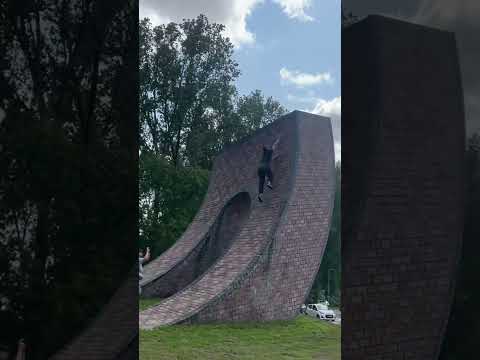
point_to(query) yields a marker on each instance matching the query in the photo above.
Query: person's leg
(261, 183)
(270, 178)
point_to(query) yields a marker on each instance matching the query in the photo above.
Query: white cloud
(447, 12)
(231, 13)
(301, 79)
(295, 9)
(338, 151)
(333, 109)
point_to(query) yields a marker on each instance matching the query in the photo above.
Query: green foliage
(169, 198)
(302, 338)
(186, 72)
(63, 217)
(189, 108)
(67, 160)
(254, 111)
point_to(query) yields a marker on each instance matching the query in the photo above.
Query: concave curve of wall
(113, 334)
(214, 245)
(234, 170)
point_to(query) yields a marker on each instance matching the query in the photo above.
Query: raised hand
(275, 143)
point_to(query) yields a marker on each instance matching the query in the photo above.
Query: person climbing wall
(265, 169)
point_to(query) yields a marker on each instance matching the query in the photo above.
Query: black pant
(264, 171)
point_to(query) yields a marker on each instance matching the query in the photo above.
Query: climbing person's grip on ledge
(265, 169)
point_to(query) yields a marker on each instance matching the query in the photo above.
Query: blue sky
(288, 49)
(281, 42)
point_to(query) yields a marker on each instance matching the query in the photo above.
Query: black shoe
(260, 198)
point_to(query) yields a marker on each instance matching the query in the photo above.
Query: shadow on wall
(223, 232)
(215, 245)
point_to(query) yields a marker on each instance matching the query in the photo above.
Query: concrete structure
(402, 188)
(244, 260)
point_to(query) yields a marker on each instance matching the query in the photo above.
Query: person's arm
(275, 154)
(21, 350)
(147, 255)
(275, 144)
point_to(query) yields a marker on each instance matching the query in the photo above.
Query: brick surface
(113, 335)
(267, 264)
(402, 186)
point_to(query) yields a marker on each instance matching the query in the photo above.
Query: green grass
(148, 302)
(302, 338)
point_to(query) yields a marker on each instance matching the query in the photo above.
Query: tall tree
(182, 190)
(251, 112)
(66, 153)
(187, 73)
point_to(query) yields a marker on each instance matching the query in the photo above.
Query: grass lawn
(302, 338)
(148, 302)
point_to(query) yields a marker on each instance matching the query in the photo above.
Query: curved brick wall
(113, 335)
(269, 268)
(214, 245)
(402, 188)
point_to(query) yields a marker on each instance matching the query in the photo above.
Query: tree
(252, 112)
(182, 191)
(67, 153)
(186, 86)
(187, 72)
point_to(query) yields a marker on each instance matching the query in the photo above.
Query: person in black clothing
(265, 170)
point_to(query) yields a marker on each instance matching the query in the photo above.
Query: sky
(288, 49)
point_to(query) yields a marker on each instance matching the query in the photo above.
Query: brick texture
(113, 335)
(402, 188)
(267, 263)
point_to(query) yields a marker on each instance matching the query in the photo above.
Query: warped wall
(113, 335)
(402, 188)
(261, 265)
